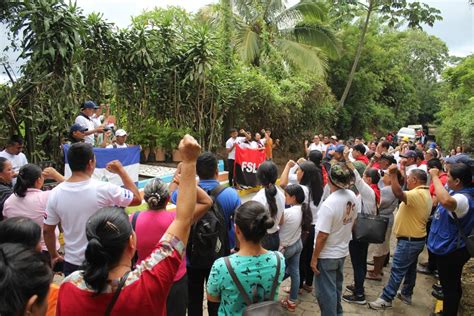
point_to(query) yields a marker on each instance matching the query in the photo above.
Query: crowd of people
(299, 227)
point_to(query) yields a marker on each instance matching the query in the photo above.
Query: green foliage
(456, 124)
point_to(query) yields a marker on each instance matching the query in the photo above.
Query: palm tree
(299, 34)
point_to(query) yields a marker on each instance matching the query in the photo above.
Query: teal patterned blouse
(252, 271)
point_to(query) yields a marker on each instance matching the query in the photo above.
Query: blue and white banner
(129, 157)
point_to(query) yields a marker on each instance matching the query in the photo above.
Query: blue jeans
(292, 261)
(328, 286)
(404, 264)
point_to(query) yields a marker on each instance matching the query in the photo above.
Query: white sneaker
(380, 303)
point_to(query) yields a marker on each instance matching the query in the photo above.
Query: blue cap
(409, 154)
(77, 127)
(89, 105)
(433, 145)
(339, 148)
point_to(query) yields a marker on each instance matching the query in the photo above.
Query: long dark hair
(253, 219)
(108, 232)
(267, 175)
(20, 230)
(26, 179)
(297, 191)
(23, 273)
(313, 179)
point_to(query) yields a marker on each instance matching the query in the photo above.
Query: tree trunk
(357, 57)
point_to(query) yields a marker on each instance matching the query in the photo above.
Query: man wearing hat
(84, 119)
(410, 229)
(120, 138)
(334, 231)
(77, 133)
(331, 147)
(408, 162)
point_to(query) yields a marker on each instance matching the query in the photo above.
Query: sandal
(288, 305)
(307, 288)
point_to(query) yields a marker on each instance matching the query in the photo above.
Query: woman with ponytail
(272, 198)
(106, 285)
(295, 219)
(29, 201)
(253, 265)
(152, 224)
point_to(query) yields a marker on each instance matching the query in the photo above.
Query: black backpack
(209, 239)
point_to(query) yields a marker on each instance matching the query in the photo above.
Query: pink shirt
(150, 227)
(33, 206)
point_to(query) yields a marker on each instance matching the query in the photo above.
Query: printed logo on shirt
(347, 219)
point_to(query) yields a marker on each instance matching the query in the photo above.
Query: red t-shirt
(145, 292)
(150, 227)
(443, 177)
(364, 159)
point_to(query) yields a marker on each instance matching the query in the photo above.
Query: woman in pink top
(151, 225)
(28, 200)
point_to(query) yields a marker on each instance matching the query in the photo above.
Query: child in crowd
(295, 219)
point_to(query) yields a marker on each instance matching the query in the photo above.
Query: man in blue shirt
(229, 200)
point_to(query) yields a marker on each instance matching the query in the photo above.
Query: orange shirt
(52, 299)
(269, 148)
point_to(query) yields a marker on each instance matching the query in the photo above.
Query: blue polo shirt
(228, 199)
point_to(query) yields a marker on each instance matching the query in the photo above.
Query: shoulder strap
(217, 190)
(237, 282)
(277, 276)
(116, 294)
(134, 219)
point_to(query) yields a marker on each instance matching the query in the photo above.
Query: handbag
(468, 240)
(370, 228)
(254, 308)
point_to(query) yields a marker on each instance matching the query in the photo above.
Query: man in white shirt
(120, 138)
(317, 144)
(230, 149)
(333, 233)
(85, 120)
(72, 202)
(13, 152)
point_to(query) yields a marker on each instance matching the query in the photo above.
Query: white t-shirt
(336, 217)
(230, 142)
(72, 203)
(321, 147)
(97, 120)
(290, 231)
(17, 161)
(462, 205)
(86, 123)
(367, 195)
(315, 208)
(117, 146)
(280, 202)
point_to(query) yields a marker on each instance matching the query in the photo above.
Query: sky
(456, 28)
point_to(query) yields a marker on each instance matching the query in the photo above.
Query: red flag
(247, 161)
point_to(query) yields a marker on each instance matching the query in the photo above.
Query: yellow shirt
(411, 217)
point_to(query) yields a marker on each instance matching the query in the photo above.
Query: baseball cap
(409, 154)
(89, 105)
(433, 145)
(120, 132)
(77, 127)
(406, 139)
(339, 148)
(461, 158)
(334, 137)
(341, 176)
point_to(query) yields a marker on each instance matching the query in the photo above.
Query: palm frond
(318, 35)
(305, 57)
(305, 9)
(247, 43)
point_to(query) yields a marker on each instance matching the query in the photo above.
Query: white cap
(120, 132)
